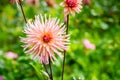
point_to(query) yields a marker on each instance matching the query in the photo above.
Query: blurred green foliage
(98, 22)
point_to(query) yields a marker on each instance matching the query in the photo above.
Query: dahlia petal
(54, 45)
(72, 12)
(63, 4)
(58, 53)
(66, 12)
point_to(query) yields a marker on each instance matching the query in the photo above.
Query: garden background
(98, 24)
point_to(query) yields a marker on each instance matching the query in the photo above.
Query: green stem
(20, 3)
(51, 76)
(63, 65)
(46, 70)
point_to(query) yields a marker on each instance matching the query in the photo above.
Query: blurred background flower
(88, 44)
(51, 3)
(1, 78)
(87, 2)
(12, 1)
(32, 2)
(11, 55)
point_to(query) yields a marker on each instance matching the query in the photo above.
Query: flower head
(71, 6)
(45, 36)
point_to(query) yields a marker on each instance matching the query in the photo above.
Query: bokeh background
(94, 52)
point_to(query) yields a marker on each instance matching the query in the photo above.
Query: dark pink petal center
(46, 38)
(71, 3)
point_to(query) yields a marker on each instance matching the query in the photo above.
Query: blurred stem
(20, 3)
(66, 22)
(51, 76)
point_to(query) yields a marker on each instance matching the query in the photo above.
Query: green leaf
(39, 72)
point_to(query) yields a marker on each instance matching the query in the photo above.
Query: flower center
(71, 3)
(46, 38)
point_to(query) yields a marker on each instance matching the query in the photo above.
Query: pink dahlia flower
(71, 6)
(11, 55)
(44, 37)
(88, 45)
